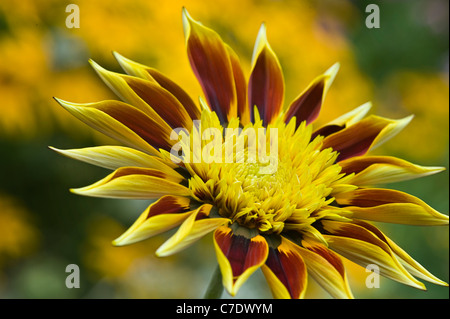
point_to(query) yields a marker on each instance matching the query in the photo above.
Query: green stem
(215, 287)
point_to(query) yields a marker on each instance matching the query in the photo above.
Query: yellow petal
(134, 183)
(390, 206)
(199, 229)
(391, 130)
(166, 213)
(364, 247)
(114, 157)
(372, 170)
(121, 122)
(412, 266)
(353, 116)
(192, 229)
(326, 268)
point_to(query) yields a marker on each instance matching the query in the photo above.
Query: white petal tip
(333, 69)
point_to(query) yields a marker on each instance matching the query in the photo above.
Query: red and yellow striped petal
(412, 266)
(372, 170)
(150, 97)
(238, 256)
(326, 268)
(193, 228)
(346, 120)
(114, 157)
(153, 75)
(266, 82)
(164, 214)
(211, 64)
(285, 271)
(306, 107)
(364, 247)
(135, 183)
(123, 123)
(390, 206)
(368, 133)
(243, 110)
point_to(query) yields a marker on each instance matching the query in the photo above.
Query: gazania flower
(296, 213)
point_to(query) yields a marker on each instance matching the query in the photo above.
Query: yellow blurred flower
(150, 31)
(18, 236)
(103, 259)
(425, 95)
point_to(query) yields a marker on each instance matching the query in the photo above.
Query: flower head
(278, 194)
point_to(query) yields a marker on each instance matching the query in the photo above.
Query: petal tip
(261, 41)
(98, 68)
(187, 20)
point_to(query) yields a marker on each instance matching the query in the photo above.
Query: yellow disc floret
(271, 179)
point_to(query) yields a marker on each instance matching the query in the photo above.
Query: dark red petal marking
(289, 268)
(137, 121)
(162, 101)
(241, 251)
(266, 87)
(167, 205)
(327, 130)
(357, 139)
(307, 106)
(181, 95)
(211, 64)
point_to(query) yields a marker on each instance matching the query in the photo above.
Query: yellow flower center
(286, 190)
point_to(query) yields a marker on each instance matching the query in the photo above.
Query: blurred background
(402, 67)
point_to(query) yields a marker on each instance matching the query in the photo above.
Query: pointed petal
(134, 183)
(368, 133)
(164, 214)
(285, 271)
(266, 83)
(162, 101)
(306, 107)
(238, 256)
(364, 247)
(148, 96)
(392, 129)
(372, 170)
(412, 266)
(153, 75)
(211, 64)
(390, 206)
(114, 157)
(192, 229)
(354, 116)
(243, 110)
(123, 123)
(343, 121)
(326, 268)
